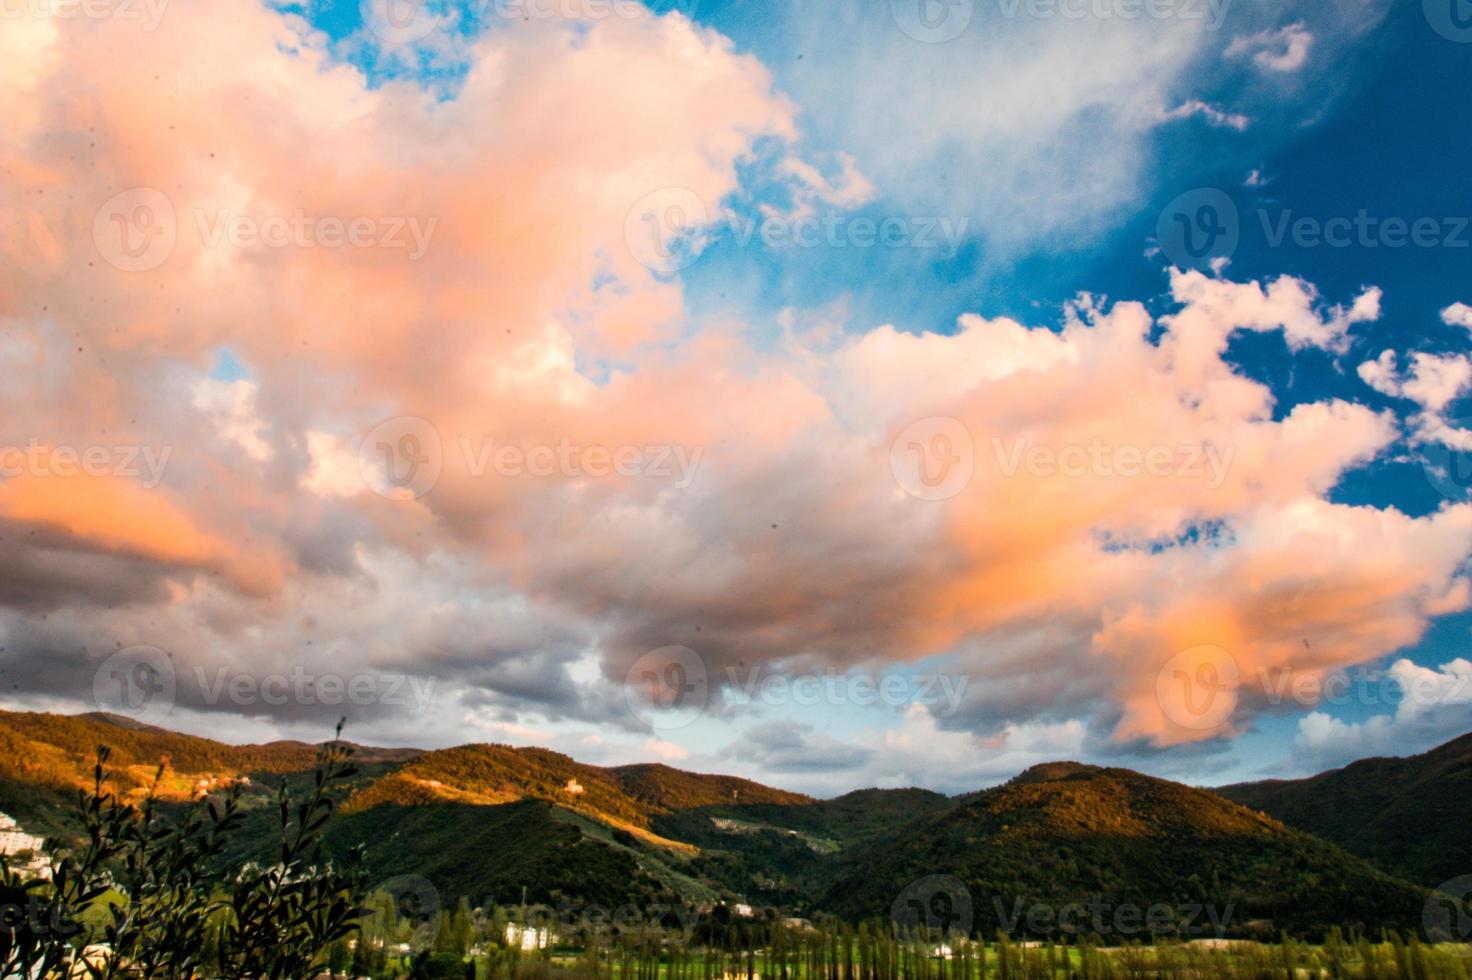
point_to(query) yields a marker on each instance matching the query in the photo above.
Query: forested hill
(486, 821)
(1409, 816)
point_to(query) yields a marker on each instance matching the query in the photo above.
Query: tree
(453, 931)
(154, 890)
(339, 957)
(430, 965)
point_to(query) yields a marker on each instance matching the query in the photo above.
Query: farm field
(818, 958)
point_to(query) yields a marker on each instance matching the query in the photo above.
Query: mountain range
(1409, 816)
(1356, 847)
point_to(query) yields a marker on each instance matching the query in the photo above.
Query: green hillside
(787, 854)
(1066, 833)
(486, 821)
(59, 751)
(46, 758)
(665, 789)
(1408, 816)
(492, 852)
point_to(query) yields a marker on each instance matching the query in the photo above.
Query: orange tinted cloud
(1060, 576)
(119, 516)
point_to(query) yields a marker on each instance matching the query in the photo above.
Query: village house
(30, 849)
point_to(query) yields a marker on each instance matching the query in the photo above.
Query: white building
(15, 842)
(527, 938)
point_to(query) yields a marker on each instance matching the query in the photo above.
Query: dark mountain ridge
(1071, 835)
(1410, 816)
(485, 820)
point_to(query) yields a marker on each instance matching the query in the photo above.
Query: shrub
(151, 895)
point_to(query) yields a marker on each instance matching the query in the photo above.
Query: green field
(1241, 960)
(464, 944)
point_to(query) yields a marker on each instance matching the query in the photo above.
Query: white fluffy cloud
(1433, 382)
(1212, 114)
(1283, 50)
(1458, 315)
(912, 752)
(1435, 704)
